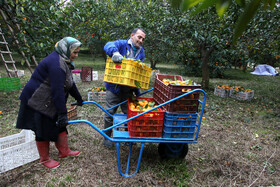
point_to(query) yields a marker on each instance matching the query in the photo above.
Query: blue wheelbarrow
(169, 147)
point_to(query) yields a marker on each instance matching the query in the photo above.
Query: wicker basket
(71, 112)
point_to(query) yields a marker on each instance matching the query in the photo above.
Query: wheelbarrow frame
(124, 138)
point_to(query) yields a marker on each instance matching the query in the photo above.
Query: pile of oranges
(225, 87)
(234, 88)
(240, 89)
(176, 82)
(97, 89)
(142, 105)
(186, 90)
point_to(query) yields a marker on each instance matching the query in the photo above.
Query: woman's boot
(62, 146)
(43, 149)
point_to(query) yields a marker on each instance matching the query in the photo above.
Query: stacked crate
(17, 150)
(97, 94)
(9, 84)
(243, 96)
(146, 125)
(86, 74)
(181, 114)
(128, 73)
(222, 92)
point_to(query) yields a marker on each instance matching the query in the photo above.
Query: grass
(238, 142)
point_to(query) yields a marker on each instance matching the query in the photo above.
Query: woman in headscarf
(43, 100)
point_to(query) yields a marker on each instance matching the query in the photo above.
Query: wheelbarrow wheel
(173, 150)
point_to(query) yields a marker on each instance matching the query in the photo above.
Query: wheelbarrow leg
(128, 160)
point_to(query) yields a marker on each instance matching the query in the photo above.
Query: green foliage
(250, 8)
(41, 23)
(172, 36)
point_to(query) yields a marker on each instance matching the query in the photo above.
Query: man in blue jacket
(115, 94)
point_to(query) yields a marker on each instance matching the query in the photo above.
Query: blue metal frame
(124, 138)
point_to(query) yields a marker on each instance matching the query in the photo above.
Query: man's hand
(117, 57)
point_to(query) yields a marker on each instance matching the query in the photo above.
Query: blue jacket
(124, 48)
(49, 86)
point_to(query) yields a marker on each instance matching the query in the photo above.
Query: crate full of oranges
(168, 87)
(129, 73)
(240, 93)
(146, 125)
(97, 94)
(222, 90)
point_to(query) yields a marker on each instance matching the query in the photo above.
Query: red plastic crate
(147, 125)
(86, 74)
(163, 93)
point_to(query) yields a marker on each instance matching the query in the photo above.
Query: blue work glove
(117, 57)
(137, 92)
(62, 120)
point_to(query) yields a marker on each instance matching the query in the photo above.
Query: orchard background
(239, 140)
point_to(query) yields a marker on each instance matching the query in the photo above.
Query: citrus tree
(262, 37)
(38, 24)
(248, 9)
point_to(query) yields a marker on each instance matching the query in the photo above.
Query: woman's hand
(62, 120)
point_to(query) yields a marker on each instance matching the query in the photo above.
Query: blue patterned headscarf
(66, 46)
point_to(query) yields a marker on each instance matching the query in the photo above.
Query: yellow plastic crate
(127, 73)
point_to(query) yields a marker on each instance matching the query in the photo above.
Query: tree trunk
(245, 67)
(104, 55)
(205, 54)
(153, 63)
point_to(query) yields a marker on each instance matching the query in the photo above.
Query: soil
(229, 152)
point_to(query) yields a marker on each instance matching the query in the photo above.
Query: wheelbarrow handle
(74, 103)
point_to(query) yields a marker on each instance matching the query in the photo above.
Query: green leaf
(241, 3)
(205, 5)
(152, 104)
(141, 63)
(222, 6)
(176, 3)
(187, 4)
(271, 3)
(137, 84)
(188, 82)
(245, 18)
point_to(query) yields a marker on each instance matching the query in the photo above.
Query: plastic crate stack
(76, 74)
(181, 115)
(17, 150)
(86, 74)
(97, 96)
(147, 125)
(9, 84)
